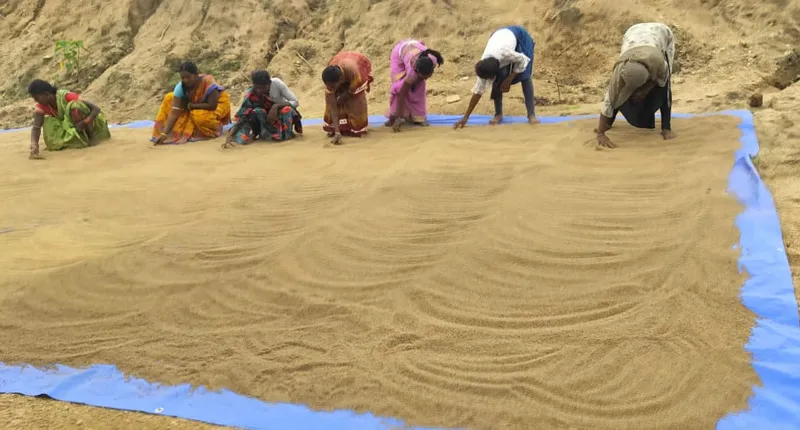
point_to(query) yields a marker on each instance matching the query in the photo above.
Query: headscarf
(634, 68)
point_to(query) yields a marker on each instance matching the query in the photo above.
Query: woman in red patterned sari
(347, 81)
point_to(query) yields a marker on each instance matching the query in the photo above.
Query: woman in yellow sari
(197, 109)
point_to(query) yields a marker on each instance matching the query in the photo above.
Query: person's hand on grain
(604, 141)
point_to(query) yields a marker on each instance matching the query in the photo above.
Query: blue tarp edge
(769, 293)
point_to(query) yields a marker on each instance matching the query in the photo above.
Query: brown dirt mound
(134, 45)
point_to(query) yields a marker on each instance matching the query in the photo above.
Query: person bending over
(506, 61)
(347, 80)
(641, 81)
(411, 64)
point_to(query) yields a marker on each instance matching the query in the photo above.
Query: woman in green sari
(66, 120)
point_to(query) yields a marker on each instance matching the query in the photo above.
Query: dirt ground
(726, 50)
(28, 413)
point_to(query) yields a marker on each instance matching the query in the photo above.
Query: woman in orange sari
(197, 109)
(347, 81)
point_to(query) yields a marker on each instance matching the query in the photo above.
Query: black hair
(39, 86)
(331, 74)
(261, 77)
(424, 64)
(487, 68)
(188, 67)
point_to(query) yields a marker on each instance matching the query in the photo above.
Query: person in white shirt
(507, 60)
(279, 92)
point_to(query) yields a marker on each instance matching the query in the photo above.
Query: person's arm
(607, 114)
(401, 98)
(174, 113)
(670, 39)
(95, 110)
(477, 92)
(286, 93)
(666, 117)
(238, 120)
(510, 79)
(36, 132)
(272, 114)
(210, 103)
(519, 62)
(235, 127)
(471, 107)
(604, 124)
(93, 114)
(666, 109)
(333, 105)
(343, 93)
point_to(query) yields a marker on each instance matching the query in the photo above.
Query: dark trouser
(527, 92)
(643, 114)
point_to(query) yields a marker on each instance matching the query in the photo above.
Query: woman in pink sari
(411, 63)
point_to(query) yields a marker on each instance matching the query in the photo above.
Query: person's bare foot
(496, 120)
(533, 120)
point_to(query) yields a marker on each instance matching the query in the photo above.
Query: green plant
(68, 53)
(230, 65)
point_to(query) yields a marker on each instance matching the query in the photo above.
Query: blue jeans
(527, 92)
